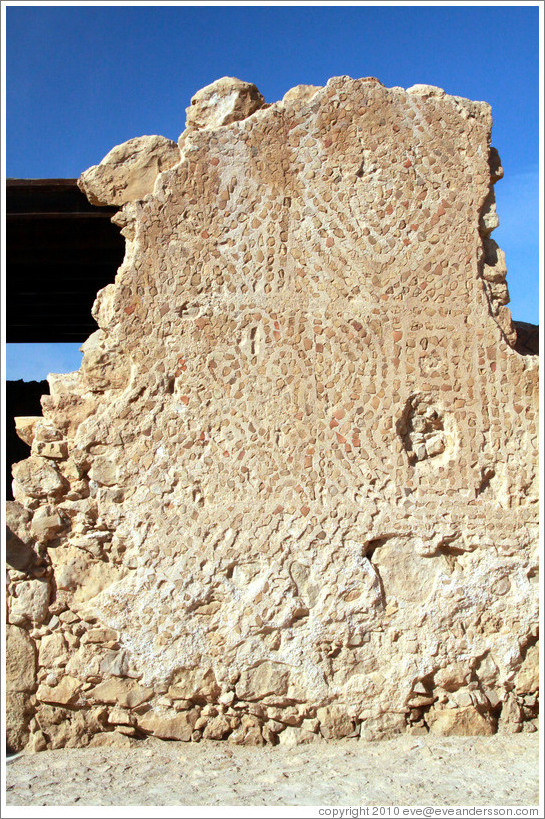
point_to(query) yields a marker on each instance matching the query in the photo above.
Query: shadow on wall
(22, 398)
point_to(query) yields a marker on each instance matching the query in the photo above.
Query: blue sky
(83, 79)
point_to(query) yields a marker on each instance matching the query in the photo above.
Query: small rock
(222, 102)
(527, 680)
(301, 92)
(217, 728)
(31, 602)
(20, 660)
(123, 692)
(25, 427)
(334, 722)
(18, 715)
(296, 736)
(53, 650)
(266, 678)
(112, 739)
(459, 722)
(128, 172)
(46, 524)
(179, 726)
(36, 477)
(65, 692)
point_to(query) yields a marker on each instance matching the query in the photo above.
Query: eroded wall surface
(292, 491)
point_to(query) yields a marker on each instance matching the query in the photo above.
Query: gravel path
(498, 770)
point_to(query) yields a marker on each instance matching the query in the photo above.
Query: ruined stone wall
(292, 491)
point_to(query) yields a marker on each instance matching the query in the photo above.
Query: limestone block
(36, 477)
(18, 715)
(114, 663)
(487, 671)
(218, 728)
(293, 736)
(60, 384)
(58, 450)
(66, 726)
(25, 427)
(46, 524)
(462, 698)
(423, 90)
(489, 220)
(20, 553)
(406, 574)
(53, 650)
(527, 680)
(169, 727)
(103, 367)
(459, 722)
(190, 683)
(248, 733)
(334, 722)
(301, 92)
(495, 268)
(510, 721)
(453, 676)
(111, 739)
(77, 571)
(71, 567)
(37, 742)
(103, 471)
(222, 102)
(384, 726)
(45, 432)
(64, 693)
(103, 310)
(118, 716)
(84, 662)
(128, 172)
(30, 602)
(99, 635)
(20, 660)
(17, 518)
(266, 678)
(126, 693)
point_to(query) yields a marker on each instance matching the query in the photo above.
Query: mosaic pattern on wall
(292, 492)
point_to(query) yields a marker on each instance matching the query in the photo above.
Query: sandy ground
(498, 770)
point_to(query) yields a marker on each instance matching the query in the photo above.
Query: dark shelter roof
(60, 251)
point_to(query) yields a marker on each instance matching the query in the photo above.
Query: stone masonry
(291, 493)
